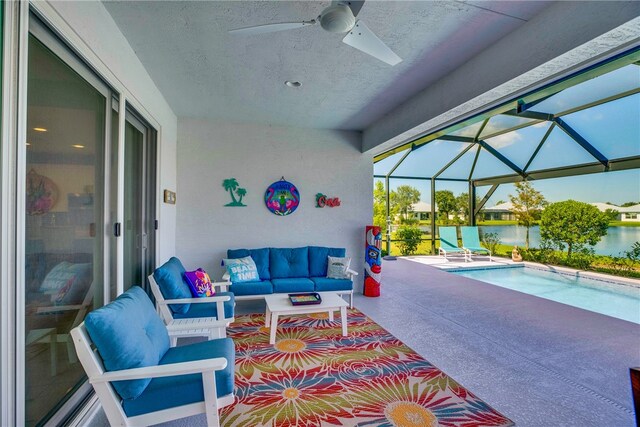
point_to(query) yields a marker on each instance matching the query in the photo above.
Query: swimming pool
(612, 299)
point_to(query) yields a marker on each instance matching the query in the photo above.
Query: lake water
(618, 239)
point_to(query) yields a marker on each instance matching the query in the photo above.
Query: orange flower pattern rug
(313, 376)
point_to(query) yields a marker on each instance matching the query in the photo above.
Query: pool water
(612, 299)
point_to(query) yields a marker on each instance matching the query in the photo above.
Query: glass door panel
(139, 201)
(134, 233)
(64, 217)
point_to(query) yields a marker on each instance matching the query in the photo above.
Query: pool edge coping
(628, 281)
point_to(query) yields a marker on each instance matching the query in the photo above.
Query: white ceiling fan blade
(362, 38)
(271, 28)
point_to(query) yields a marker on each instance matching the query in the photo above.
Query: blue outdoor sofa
(290, 270)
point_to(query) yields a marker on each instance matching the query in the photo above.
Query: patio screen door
(139, 197)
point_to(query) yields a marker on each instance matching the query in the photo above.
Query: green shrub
(573, 225)
(491, 241)
(408, 238)
(634, 254)
(409, 221)
(581, 258)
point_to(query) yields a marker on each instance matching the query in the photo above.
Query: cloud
(505, 139)
(540, 125)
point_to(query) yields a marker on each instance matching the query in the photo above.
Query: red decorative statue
(372, 261)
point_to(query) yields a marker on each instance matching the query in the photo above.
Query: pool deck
(539, 362)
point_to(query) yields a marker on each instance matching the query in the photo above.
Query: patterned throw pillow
(242, 270)
(337, 267)
(67, 283)
(199, 283)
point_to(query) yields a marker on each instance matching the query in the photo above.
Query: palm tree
(241, 192)
(230, 185)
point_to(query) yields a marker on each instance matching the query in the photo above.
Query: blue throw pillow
(242, 270)
(170, 279)
(128, 333)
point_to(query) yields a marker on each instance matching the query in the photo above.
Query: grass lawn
(424, 248)
(497, 222)
(624, 224)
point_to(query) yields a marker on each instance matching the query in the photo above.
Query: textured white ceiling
(204, 72)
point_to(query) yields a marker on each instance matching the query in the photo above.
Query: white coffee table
(280, 305)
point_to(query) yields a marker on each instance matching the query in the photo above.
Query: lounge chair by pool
(471, 241)
(449, 243)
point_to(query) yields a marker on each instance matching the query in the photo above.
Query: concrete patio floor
(539, 362)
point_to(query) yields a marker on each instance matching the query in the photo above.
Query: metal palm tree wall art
(231, 185)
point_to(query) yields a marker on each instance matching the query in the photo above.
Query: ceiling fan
(339, 17)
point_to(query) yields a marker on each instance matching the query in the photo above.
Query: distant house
(501, 212)
(629, 213)
(421, 211)
(603, 207)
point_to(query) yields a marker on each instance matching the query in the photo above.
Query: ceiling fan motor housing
(337, 18)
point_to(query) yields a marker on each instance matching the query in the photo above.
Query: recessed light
(292, 83)
(77, 146)
(40, 129)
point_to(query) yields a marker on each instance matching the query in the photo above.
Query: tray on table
(306, 298)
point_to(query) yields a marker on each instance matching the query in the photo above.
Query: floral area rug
(313, 376)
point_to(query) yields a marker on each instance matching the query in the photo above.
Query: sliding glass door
(83, 200)
(68, 117)
(139, 215)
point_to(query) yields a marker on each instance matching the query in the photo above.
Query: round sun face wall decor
(282, 197)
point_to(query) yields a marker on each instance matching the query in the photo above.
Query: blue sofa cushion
(298, 284)
(208, 309)
(170, 279)
(169, 392)
(289, 262)
(252, 288)
(128, 333)
(318, 259)
(324, 284)
(260, 257)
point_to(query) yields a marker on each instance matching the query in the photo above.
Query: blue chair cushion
(260, 257)
(252, 288)
(208, 309)
(324, 284)
(289, 262)
(170, 279)
(318, 259)
(128, 334)
(298, 284)
(170, 392)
